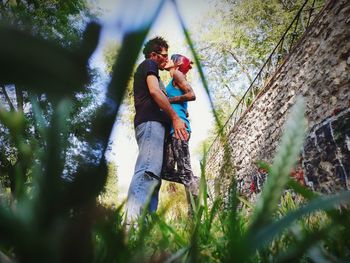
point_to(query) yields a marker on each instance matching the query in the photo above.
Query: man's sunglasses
(163, 55)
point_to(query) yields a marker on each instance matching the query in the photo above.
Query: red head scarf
(186, 65)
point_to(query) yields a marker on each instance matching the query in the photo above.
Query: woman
(177, 162)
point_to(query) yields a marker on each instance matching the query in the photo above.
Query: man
(153, 116)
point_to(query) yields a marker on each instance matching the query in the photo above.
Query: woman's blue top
(179, 108)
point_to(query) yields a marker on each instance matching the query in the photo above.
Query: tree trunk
(19, 96)
(8, 100)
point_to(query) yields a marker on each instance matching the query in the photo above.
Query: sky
(125, 14)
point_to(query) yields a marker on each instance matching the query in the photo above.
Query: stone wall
(326, 154)
(318, 68)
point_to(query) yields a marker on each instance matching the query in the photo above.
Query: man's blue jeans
(145, 183)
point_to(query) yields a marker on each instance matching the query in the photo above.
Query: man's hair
(154, 45)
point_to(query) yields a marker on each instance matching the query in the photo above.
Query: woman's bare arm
(185, 87)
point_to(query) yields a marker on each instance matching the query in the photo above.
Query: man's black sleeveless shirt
(146, 108)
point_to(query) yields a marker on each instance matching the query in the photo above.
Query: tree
(61, 22)
(110, 54)
(110, 195)
(234, 41)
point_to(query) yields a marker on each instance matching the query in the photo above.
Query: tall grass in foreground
(284, 226)
(51, 220)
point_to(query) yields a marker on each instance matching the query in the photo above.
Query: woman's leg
(184, 170)
(169, 171)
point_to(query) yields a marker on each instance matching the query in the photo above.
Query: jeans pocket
(151, 176)
(140, 130)
(153, 181)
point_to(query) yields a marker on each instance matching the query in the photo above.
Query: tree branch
(34, 2)
(19, 97)
(6, 3)
(244, 69)
(231, 93)
(8, 100)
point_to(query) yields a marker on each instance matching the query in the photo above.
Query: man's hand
(180, 129)
(163, 103)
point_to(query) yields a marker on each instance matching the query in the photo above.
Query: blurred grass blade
(303, 191)
(310, 242)
(287, 154)
(109, 234)
(16, 123)
(264, 165)
(143, 224)
(57, 141)
(214, 211)
(48, 200)
(8, 225)
(58, 68)
(40, 122)
(266, 234)
(320, 255)
(298, 188)
(245, 201)
(198, 64)
(122, 71)
(177, 238)
(203, 192)
(178, 255)
(193, 252)
(236, 249)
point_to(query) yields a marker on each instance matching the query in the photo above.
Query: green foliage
(19, 52)
(67, 77)
(110, 54)
(56, 20)
(40, 211)
(62, 71)
(236, 37)
(172, 201)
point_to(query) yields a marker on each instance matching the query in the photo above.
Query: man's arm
(163, 103)
(182, 83)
